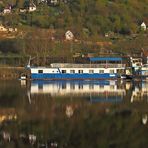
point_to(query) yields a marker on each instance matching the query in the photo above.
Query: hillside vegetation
(85, 17)
(89, 20)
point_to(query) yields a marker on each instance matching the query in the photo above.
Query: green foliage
(11, 20)
(97, 16)
(9, 46)
(1, 7)
(89, 20)
(41, 21)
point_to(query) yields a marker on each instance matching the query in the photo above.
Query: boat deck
(70, 65)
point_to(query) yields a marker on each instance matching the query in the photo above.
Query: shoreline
(8, 73)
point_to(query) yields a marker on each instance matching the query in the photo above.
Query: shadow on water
(73, 114)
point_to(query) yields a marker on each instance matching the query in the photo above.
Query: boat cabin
(98, 68)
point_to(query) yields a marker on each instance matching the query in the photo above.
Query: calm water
(73, 114)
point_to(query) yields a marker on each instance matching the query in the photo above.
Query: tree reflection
(71, 121)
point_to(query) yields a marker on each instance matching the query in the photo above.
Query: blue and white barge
(98, 68)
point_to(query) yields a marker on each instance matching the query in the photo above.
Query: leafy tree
(1, 7)
(11, 19)
(20, 3)
(41, 21)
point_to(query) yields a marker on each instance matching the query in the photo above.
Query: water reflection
(140, 92)
(144, 119)
(81, 114)
(95, 91)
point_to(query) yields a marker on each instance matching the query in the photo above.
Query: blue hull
(73, 76)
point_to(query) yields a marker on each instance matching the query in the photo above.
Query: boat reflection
(56, 107)
(96, 91)
(140, 92)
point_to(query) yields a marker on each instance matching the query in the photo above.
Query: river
(73, 114)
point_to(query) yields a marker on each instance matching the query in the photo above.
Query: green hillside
(87, 17)
(115, 21)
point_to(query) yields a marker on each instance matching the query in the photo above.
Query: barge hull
(73, 76)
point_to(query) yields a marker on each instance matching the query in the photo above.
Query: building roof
(143, 24)
(94, 59)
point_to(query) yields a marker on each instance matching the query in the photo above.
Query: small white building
(12, 29)
(143, 26)
(23, 10)
(32, 7)
(7, 11)
(69, 35)
(2, 28)
(42, 1)
(54, 2)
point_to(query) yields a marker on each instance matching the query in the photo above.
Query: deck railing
(68, 65)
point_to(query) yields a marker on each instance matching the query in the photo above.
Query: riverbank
(10, 72)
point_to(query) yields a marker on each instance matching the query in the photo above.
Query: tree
(37, 44)
(20, 3)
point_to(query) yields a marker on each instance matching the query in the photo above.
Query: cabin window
(91, 71)
(112, 71)
(72, 71)
(40, 71)
(63, 71)
(80, 71)
(101, 71)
